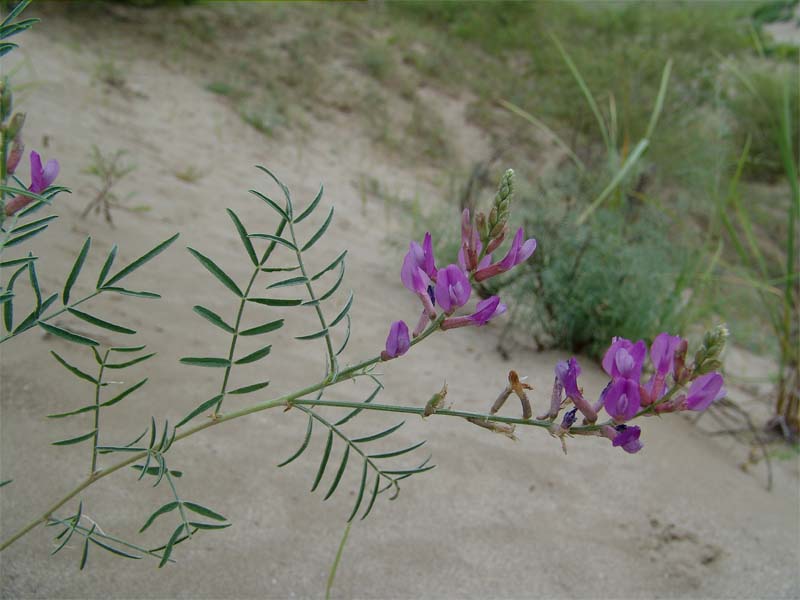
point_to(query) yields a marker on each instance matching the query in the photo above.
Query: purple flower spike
(622, 400)
(628, 438)
(705, 390)
(452, 288)
(41, 178)
(397, 342)
(518, 253)
(484, 312)
(624, 359)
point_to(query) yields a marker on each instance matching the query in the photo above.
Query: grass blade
(632, 159)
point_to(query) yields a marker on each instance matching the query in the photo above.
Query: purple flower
(452, 288)
(397, 342)
(705, 390)
(624, 359)
(462, 259)
(662, 352)
(470, 243)
(518, 253)
(484, 312)
(41, 178)
(622, 399)
(628, 438)
(569, 419)
(414, 276)
(567, 373)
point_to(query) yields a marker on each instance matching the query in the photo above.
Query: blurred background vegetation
(655, 143)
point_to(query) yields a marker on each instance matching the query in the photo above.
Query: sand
(495, 518)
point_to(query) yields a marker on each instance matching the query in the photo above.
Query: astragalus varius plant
(280, 277)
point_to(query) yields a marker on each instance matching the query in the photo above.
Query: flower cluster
(13, 150)
(449, 288)
(627, 396)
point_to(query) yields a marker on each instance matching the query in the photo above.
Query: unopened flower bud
(15, 125)
(681, 372)
(707, 366)
(497, 239)
(505, 190)
(483, 227)
(15, 153)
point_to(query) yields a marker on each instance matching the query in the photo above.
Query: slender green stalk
(97, 389)
(313, 298)
(335, 565)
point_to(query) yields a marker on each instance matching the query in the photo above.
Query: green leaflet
(76, 269)
(221, 275)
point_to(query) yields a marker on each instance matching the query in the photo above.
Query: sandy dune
(494, 519)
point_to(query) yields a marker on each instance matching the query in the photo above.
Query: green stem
(180, 503)
(335, 565)
(285, 400)
(313, 298)
(97, 388)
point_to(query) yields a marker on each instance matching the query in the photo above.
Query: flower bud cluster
(449, 288)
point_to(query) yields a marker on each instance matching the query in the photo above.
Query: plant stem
(335, 565)
(97, 388)
(313, 298)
